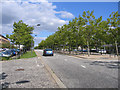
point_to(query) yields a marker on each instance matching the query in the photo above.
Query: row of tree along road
(87, 32)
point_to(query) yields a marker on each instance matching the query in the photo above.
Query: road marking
(38, 65)
(36, 61)
(65, 59)
(74, 57)
(38, 57)
(83, 66)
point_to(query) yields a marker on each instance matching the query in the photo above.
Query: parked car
(14, 51)
(102, 51)
(6, 53)
(0, 54)
(2, 49)
(18, 50)
(48, 52)
(82, 50)
(94, 50)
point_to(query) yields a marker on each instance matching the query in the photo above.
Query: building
(3, 40)
(21, 46)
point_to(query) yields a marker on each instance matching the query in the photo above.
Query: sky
(49, 15)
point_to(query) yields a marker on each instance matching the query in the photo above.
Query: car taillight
(53, 51)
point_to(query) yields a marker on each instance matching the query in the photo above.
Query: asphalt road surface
(83, 73)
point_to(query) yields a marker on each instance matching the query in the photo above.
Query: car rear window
(48, 49)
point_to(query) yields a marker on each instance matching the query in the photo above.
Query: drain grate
(19, 70)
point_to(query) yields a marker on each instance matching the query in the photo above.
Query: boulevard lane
(83, 73)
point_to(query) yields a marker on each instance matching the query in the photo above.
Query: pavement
(77, 72)
(25, 73)
(103, 57)
(95, 56)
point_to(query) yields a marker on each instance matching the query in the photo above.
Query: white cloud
(32, 13)
(38, 40)
(65, 14)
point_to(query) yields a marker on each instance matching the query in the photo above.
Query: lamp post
(32, 41)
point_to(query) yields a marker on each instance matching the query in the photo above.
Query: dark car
(83, 50)
(93, 50)
(14, 52)
(48, 52)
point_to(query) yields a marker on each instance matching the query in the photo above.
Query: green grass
(5, 58)
(28, 55)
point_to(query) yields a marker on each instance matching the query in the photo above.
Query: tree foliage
(21, 34)
(86, 30)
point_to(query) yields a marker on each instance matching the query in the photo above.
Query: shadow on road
(24, 81)
(4, 84)
(110, 64)
(3, 75)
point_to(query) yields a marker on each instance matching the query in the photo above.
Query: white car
(1, 49)
(102, 51)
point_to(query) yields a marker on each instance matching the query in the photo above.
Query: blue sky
(49, 15)
(100, 8)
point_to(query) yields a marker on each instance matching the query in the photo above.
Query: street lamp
(32, 41)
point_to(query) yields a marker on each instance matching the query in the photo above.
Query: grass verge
(28, 54)
(5, 58)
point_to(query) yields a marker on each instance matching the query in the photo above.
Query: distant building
(21, 46)
(3, 40)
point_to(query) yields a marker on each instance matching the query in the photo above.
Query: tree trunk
(20, 51)
(88, 48)
(69, 46)
(63, 48)
(116, 48)
(76, 46)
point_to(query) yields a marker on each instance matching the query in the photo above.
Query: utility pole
(32, 41)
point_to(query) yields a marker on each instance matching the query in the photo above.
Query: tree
(80, 27)
(21, 34)
(89, 29)
(5, 45)
(113, 30)
(85, 31)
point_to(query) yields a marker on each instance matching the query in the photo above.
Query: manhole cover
(19, 70)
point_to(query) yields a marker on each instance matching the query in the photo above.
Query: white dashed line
(65, 59)
(83, 66)
(38, 65)
(38, 57)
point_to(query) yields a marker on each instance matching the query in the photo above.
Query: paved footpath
(26, 73)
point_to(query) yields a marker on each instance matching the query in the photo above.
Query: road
(83, 73)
